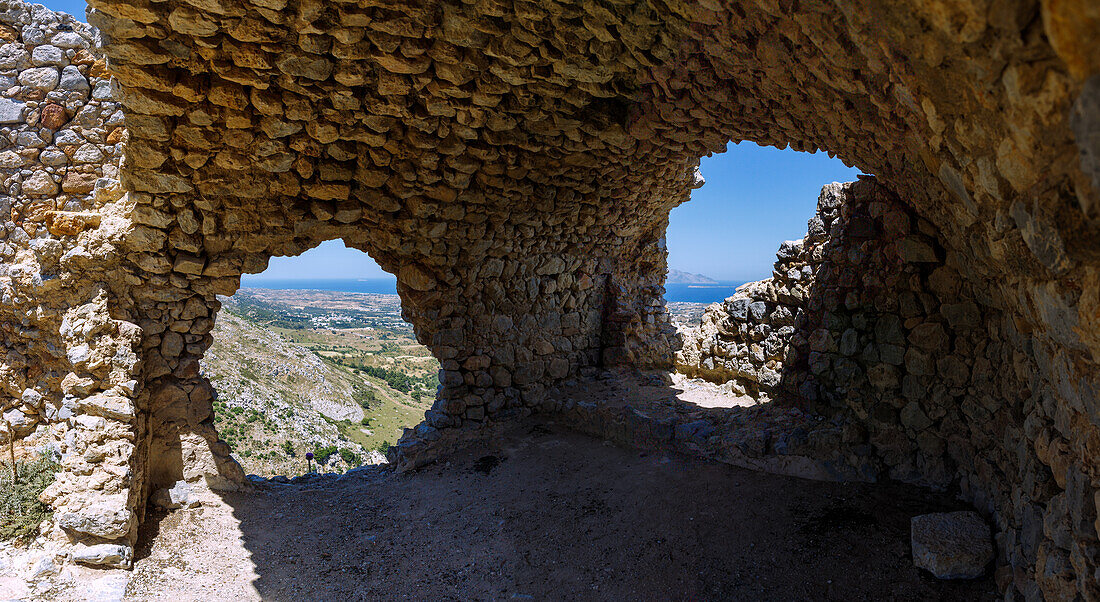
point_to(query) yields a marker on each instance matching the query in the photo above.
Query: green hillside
(286, 387)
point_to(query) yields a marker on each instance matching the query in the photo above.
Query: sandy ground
(548, 514)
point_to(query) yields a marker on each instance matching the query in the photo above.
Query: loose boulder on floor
(951, 545)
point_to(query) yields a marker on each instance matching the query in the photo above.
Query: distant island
(678, 277)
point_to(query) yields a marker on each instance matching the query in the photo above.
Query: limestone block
(104, 554)
(188, 264)
(102, 515)
(69, 40)
(69, 223)
(107, 405)
(11, 111)
(14, 57)
(951, 545)
(40, 183)
(19, 421)
(41, 78)
(179, 495)
(47, 55)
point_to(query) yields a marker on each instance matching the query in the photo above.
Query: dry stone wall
(514, 163)
(745, 342)
(868, 321)
(70, 370)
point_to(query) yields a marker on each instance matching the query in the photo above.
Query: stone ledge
(772, 438)
(768, 438)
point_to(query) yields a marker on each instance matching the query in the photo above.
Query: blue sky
(755, 198)
(73, 7)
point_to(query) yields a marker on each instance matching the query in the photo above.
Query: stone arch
(516, 162)
(183, 444)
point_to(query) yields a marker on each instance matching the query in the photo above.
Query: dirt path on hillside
(548, 515)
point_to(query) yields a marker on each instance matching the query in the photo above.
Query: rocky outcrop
(514, 164)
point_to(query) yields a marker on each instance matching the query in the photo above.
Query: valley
(335, 374)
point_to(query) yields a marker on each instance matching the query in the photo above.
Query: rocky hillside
(278, 400)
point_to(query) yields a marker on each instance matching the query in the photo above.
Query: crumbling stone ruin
(514, 164)
(69, 370)
(746, 340)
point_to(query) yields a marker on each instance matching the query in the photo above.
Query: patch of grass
(20, 510)
(387, 420)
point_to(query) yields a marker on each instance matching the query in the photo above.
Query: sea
(691, 293)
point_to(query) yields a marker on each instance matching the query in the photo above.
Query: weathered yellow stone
(70, 223)
(1071, 27)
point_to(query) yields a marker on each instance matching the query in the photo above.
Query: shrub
(350, 457)
(364, 396)
(321, 454)
(20, 510)
(396, 380)
(288, 448)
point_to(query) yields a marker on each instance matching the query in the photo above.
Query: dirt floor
(548, 515)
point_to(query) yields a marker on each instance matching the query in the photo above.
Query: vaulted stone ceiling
(514, 164)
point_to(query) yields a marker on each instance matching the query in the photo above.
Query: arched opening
(516, 170)
(755, 198)
(312, 356)
(267, 403)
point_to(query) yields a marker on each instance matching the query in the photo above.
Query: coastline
(674, 293)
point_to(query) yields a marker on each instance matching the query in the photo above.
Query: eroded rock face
(514, 164)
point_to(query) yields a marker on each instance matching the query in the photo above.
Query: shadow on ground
(549, 514)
